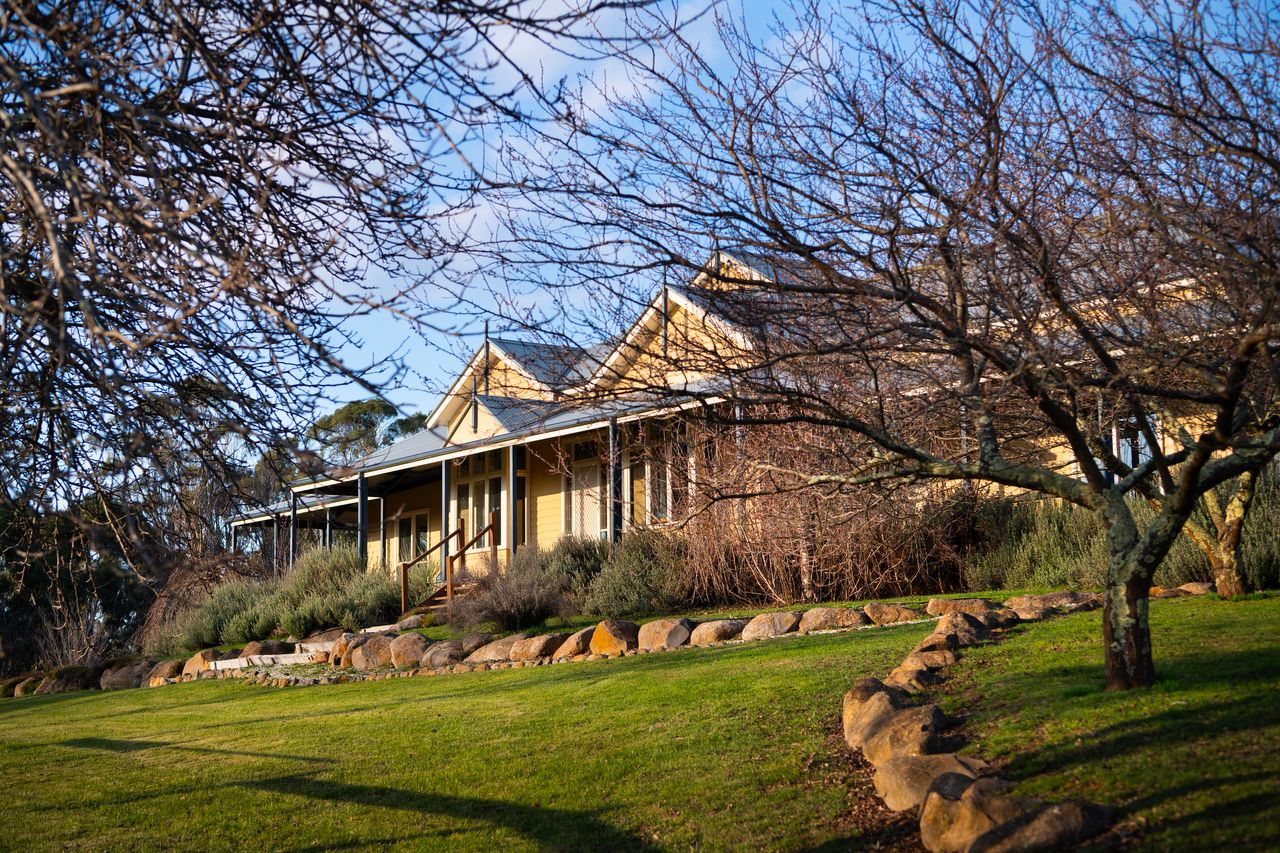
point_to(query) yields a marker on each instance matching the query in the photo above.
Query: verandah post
(615, 483)
(293, 528)
(362, 519)
(444, 518)
(404, 588)
(493, 541)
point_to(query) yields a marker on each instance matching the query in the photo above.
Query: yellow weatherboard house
(533, 442)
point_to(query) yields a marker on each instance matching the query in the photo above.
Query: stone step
(259, 660)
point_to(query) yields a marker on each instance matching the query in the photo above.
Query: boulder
(407, 650)
(441, 655)
(126, 676)
(8, 685)
(1055, 826)
(1197, 588)
(410, 623)
(349, 649)
(1032, 613)
(999, 619)
(68, 678)
(912, 676)
(717, 631)
(266, 647)
(231, 654)
(341, 645)
(902, 782)
(937, 659)
(916, 730)
(1067, 600)
(536, 648)
(867, 705)
(27, 686)
(831, 619)
(768, 625)
(163, 670)
(664, 634)
(888, 614)
(200, 661)
(328, 635)
(577, 643)
(614, 636)
(972, 606)
(373, 653)
(957, 810)
(955, 630)
(496, 650)
(471, 642)
(319, 656)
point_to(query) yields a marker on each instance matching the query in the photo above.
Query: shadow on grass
(125, 746)
(1211, 696)
(549, 828)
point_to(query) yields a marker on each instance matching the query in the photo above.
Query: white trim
(521, 438)
(307, 510)
(459, 385)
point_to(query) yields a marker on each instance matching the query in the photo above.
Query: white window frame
(470, 480)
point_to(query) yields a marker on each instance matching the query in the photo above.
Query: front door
(586, 511)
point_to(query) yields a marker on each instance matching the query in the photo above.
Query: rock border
(610, 638)
(959, 805)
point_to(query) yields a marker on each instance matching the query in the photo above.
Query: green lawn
(725, 748)
(1195, 762)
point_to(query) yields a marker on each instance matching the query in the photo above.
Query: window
(520, 504)
(1132, 447)
(413, 536)
(479, 492)
(635, 495)
(665, 481)
(404, 539)
(658, 491)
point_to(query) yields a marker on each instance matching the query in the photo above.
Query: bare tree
(981, 240)
(197, 199)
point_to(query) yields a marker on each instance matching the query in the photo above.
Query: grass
(1194, 763)
(724, 748)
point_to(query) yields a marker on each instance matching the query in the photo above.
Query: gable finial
(486, 356)
(666, 311)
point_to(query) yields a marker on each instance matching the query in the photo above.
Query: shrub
(1259, 544)
(577, 559)
(645, 576)
(206, 624)
(327, 587)
(526, 593)
(1030, 543)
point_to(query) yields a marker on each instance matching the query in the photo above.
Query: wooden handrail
(490, 528)
(431, 550)
(474, 539)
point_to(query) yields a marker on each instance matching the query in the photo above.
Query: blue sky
(434, 359)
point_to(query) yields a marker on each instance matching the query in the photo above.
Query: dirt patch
(865, 824)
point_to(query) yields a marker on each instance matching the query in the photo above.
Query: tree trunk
(1126, 632)
(1228, 575)
(1228, 579)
